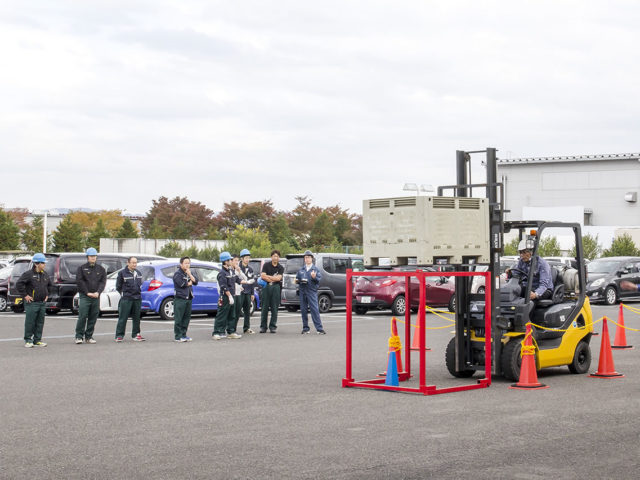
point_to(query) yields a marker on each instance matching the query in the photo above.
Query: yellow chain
(395, 343)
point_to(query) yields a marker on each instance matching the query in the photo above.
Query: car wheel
(3, 303)
(166, 309)
(361, 310)
(610, 296)
(581, 359)
(292, 308)
(324, 303)
(450, 360)
(511, 359)
(399, 305)
(452, 303)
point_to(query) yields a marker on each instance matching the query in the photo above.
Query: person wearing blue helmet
(91, 279)
(33, 286)
(223, 324)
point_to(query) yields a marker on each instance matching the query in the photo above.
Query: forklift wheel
(511, 359)
(450, 360)
(581, 358)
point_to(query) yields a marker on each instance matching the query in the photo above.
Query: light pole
(44, 232)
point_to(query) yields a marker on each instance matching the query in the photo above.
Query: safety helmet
(224, 256)
(91, 251)
(525, 244)
(39, 258)
(245, 252)
(308, 253)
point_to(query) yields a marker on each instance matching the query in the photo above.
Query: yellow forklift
(561, 325)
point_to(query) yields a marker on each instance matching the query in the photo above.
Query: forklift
(562, 325)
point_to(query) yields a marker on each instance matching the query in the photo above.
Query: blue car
(158, 291)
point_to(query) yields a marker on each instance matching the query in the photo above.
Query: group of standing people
(236, 283)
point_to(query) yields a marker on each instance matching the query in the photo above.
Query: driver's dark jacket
(541, 278)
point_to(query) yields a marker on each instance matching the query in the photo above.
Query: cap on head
(308, 253)
(245, 252)
(224, 256)
(91, 252)
(39, 258)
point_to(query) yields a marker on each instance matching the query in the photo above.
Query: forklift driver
(541, 284)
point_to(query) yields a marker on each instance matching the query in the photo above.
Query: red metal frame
(423, 388)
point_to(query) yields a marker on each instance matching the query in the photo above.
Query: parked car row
(604, 276)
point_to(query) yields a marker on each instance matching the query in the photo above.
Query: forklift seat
(558, 290)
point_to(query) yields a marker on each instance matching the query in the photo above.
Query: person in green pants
(226, 285)
(33, 286)
(246, 297)
(129, 283)
(272, 274)
(183, 282)
(91, 279)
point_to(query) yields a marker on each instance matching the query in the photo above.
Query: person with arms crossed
(272, 274)
(183, 282)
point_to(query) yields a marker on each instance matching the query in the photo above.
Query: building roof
(568, 159)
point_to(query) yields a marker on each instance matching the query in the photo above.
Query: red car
(379, 293)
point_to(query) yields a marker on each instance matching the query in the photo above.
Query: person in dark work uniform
(272, 274)
(183, 282)
(129, 283)
(246, 297)
(91, 279)
(223, 325)
(33, 286)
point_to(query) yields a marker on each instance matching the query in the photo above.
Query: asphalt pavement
(272, 406)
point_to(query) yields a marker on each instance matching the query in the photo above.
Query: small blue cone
(392, 371)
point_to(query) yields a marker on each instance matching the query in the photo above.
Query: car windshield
(294, 264)
(19, 268)
(69, 267)
(5, 272)
(603, 266)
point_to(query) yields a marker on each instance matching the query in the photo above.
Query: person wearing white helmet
(33, 286)
(91, 279)
(246, 297)
(541, 284)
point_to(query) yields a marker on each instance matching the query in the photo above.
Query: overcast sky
(110, 104)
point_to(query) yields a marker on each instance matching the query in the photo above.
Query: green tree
(127, 229)
(279, 230)
(181, 230)
(322, 231)
(549, 247)
(32, 235)
(511, 248)
(178, 218)
(622, 246)
(590, 246)
(98, 232)
(9, 232)
(68, 236)
(209, 254)
(155, 230)
(342, 229)
(170, 250)
(251, 238)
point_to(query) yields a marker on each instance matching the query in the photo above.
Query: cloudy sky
(112, 103)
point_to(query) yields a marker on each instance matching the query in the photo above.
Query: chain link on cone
(528, 375)
(606, 368)
(620, 340)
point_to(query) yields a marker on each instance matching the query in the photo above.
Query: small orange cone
(606, 368)
(528, 375)
(395, 345)
(620, 340)
(415, 343)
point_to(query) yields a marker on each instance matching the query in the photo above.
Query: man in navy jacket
(308, 278)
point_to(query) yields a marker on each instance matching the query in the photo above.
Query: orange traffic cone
(620, 340)
(606, 368)
(415, 343)
(528, 375)
(395, 345)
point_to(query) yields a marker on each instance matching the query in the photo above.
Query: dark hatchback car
(20, 265)
(604, 276)
(5, 273)
(380, 293)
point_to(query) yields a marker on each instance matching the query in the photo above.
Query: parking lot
(271, 406)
